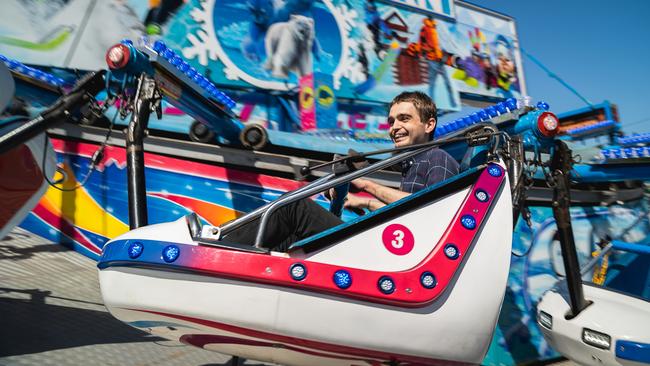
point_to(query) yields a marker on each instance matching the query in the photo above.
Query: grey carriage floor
(51, 313)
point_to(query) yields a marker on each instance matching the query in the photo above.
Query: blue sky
(601, 48)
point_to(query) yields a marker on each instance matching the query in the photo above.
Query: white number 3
(399, 239)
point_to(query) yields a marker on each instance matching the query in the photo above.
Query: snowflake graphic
(205, 46)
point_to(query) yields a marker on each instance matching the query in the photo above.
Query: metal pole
(561, 168)
(135, 134)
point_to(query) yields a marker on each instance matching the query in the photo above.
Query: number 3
(399, 239)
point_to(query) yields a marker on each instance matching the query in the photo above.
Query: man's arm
(356, 202)
(384, 194)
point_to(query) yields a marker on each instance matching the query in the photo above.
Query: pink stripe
(65, 227)
(201, 340)
(173, 111)
(246, 112)
(316, 345)
(118, 155)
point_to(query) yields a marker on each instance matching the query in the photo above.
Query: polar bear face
(302, 27)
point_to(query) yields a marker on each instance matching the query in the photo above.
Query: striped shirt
(426, 169)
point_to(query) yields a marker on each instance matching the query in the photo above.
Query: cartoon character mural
(505, 66)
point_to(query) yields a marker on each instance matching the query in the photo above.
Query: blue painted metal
(633, 351)
(585, 173)
(638, 248)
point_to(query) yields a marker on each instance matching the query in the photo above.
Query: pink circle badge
(398, 239)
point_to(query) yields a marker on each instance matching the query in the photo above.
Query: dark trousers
(287, 225)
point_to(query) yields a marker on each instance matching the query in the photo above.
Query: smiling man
(412, 120)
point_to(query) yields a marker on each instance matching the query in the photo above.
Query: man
(412, 120)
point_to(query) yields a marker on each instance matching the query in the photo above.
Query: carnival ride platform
(52, 314)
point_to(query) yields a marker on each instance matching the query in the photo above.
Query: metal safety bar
(260, 210)
(315, 188)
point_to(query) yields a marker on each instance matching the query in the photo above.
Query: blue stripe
(633, 351)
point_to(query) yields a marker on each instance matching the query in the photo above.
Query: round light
(386, 285)
(118, 56)
(492, 111)
(135, 249)
(501, 107)
(168, 54)
(475, 117)
(342, 279)
(494, 170)
(543, 105)
(481, 195)
(171, 253)
(468, 222)
(511, 103)
(298, 271)
(483, 115)
(428, 280)
(467, 121)
(548, 124)
(176, 60)
(451, 251)
(159, 46)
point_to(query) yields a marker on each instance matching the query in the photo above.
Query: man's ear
(430, 125)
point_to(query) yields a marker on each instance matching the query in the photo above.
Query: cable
(97, 156)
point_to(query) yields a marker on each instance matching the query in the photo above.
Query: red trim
(311, 344)
(65, 227)
(114, 154)
(274, 270)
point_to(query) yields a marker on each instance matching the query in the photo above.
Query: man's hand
(359, 185)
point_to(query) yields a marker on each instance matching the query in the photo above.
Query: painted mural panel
(372, 50)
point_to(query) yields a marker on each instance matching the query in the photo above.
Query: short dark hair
(423, 104)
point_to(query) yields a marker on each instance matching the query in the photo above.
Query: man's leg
(287, 225)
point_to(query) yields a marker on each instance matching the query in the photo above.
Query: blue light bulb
(342, 279)
(475, 117)
(511, 103)
(428, 280)
(468, 222)
(171, 253)
(492, 111)
(467, 121)
(135, 249)
(386, 285)
(168, 54)
(483, 115)
(176, 60)
(543, 105)
(159, 46)
(494, 170)
(126, 41)
(501, 107)
(184, 66)
(451, 251)
(191, 72)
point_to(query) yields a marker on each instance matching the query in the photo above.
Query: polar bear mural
(288, 47)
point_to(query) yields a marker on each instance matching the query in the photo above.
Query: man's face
(406, 128)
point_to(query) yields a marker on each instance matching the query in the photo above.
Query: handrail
(227, 228)
(315, 188)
